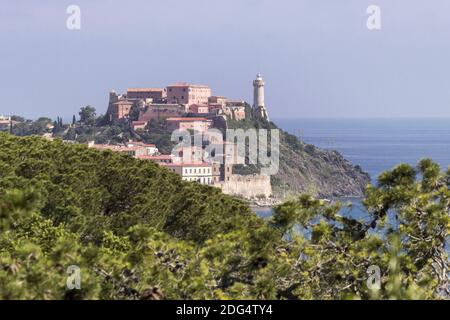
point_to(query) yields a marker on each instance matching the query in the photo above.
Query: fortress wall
(158, 113)
(249, 186)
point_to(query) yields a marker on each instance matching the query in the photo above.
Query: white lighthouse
(259, 108)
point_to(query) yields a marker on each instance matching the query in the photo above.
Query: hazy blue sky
(317, 56)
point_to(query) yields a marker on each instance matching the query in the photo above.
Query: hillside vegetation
(136, 231)
(305, 168)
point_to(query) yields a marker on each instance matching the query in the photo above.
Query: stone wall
(159, 111)
(249, 186)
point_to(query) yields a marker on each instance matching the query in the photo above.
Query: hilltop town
(181, 106)
(140, 121)
(192, 107)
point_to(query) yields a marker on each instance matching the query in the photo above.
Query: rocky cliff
(305, 168)
(324, 173)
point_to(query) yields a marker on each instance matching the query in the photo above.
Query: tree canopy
(87, 115)
(137, 231)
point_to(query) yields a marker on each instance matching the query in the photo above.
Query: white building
(6, 122)
(198, 172)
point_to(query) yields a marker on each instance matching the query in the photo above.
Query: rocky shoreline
(321, 173)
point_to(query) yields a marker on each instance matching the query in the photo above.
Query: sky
(317, 57)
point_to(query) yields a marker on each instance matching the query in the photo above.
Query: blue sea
(375, 144)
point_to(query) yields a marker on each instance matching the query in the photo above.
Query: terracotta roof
(113, 148)
(185, 84)
(141, 144)
(186, 119)
(145, 89)
(163, 105)
(236, 101)
(161, 157)
(203, 164)
(123, 102)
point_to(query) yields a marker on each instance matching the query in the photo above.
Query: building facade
(155, 94)
(139, 125)
(200, 172)
(6, 123)
(199, 108)
(119, 107)
(188, 94)
(161, 111)
(195, 124)
(134, 149)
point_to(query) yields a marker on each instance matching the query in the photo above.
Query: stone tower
(259, 108)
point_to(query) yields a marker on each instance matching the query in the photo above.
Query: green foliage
(87, 115)
(405, 235)
(114, 216)
(17, 118)
(38, 127)
(136, 231)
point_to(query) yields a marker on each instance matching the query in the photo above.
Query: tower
(259, 108)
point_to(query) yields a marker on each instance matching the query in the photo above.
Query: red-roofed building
(119, 109)
(219, 100)
(189, 154)
(195, 124)
(156, 94)
(199, 108)
(188, 94)
(138, 125)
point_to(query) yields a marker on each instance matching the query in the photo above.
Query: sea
(374, 144)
